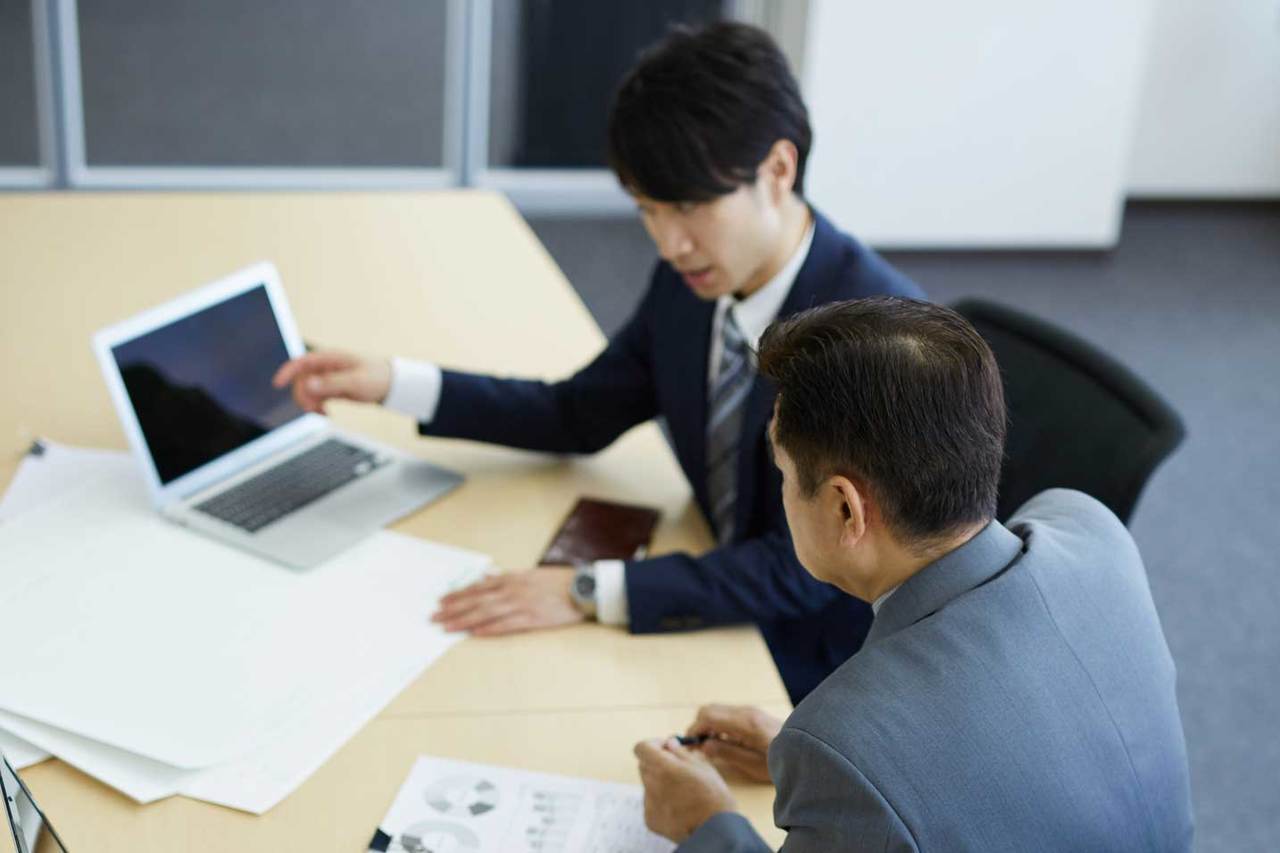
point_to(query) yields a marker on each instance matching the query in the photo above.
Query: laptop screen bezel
(263, 274)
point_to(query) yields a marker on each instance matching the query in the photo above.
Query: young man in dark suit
(709, 135)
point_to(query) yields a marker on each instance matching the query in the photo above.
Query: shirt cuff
(611, 592)
(415, 389)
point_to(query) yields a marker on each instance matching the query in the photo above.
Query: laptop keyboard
(291, 485)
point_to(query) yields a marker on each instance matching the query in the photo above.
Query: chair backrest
(1077, 417)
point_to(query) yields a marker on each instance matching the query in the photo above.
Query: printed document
(450, 805)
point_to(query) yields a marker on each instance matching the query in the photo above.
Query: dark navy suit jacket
(657, 367)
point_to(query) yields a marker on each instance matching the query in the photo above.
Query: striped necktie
(724, 426)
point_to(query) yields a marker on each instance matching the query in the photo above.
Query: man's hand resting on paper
(511, 603)
(318, 377)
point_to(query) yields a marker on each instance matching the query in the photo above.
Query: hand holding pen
(735, 738)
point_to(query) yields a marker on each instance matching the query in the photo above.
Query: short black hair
(900, 395)
(698, 114)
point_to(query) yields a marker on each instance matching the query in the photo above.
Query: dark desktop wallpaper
(201, 386)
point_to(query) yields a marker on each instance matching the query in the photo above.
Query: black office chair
(1077, 417)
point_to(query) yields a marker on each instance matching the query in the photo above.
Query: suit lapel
(689, 338)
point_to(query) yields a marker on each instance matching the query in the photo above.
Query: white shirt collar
(757, 311)
(879, 602)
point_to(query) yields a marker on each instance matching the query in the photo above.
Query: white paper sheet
(38, 479)
(181, 649)
(256, 783)
(407, 576)
(139, 778)
(163, 643)
(19, 752)
(478, 808)
(58, 469)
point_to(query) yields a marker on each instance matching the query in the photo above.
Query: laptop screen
(28, 831)
(201, 386)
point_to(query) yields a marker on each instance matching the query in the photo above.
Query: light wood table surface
(453, 277)
(339, 807)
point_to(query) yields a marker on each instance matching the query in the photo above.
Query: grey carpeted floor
(1190, 300)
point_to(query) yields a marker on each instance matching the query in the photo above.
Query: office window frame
(80, 174)
(44, 173)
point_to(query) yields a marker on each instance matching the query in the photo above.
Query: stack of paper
(20, 753)
(166, 663)
(49, 471)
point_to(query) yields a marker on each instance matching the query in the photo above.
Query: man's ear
(851, 505)
(779, 169)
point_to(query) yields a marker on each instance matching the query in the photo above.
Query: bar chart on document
(447, 806)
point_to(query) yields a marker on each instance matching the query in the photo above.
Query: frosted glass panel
(307, 83)
(19, 140)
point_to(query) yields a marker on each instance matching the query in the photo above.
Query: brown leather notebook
(602, 530)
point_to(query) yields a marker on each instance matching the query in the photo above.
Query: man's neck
(796, 218)
(901, 563)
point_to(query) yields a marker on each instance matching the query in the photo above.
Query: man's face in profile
(717, 246)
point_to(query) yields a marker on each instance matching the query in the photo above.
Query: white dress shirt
(415, 391)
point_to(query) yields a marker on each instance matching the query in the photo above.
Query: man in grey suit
(1015, 691)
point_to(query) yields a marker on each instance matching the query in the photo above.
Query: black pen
(695, 740)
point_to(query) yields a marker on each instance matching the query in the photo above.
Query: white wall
(1209, 121)
(993, 123)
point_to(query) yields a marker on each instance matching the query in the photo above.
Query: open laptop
(230, 456)
(29, 830)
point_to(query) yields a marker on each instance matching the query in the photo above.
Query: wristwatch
(583, 589)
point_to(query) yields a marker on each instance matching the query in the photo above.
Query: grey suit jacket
(1017, 694)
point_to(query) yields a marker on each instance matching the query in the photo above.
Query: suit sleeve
(756, 580)
(581, 414)
(825, 803)
(727, 832)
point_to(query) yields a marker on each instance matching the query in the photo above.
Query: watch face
(585, 585)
